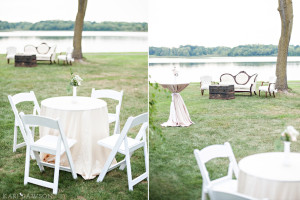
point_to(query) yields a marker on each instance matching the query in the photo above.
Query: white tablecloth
(265, 176)
(179, 115)
(85, 120)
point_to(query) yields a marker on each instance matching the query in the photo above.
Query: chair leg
(203, 194)
(38, 160)
(7, 61)
(274, 94)
(27, 164)
(266, 94)
(255, 92)
(258, 92)
(56, 172)
(106, 166)
(250, 93)
(146, 160)
(15, 138)
(202, 92)
(129, 175)
(270, 94)
(70, 159)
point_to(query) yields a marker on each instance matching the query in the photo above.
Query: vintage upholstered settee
(242, 82)
(43, 52)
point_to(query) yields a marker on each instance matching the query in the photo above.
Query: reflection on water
(93, 41)
(191, 71)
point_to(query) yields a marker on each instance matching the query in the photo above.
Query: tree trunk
(286, 15)
(77, 53)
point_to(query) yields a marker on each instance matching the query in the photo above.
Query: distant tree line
(58, 25)
(242, 50)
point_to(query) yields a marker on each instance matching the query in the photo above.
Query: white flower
(77, 77)
(291, 132)
(76, 80)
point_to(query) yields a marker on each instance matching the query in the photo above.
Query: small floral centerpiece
(288, 135)
(75, 82)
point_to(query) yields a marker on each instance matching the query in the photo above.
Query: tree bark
(286, 15)
(77, 53)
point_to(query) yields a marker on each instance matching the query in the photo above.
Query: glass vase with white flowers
(288, 135)
(75, 82)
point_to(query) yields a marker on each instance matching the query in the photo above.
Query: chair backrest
(11, 50)
(216, 151)
(43, 48)
(34, 120)
(135, 121)
(272, 79)
(30, 49)
(23, 97)
(221, 195)
(227, 78)
(111, 94)
(206, 80)
(69, 53)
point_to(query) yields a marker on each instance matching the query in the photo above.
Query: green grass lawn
(126, 72)
(251, 125)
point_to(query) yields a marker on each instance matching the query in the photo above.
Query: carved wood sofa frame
(48, 53)
(248, 79)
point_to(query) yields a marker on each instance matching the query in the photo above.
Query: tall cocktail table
(179, 115)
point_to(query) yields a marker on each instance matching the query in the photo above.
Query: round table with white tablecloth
(84, 119)
(266, 176)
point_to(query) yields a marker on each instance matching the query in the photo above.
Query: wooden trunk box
(25, 61)
(221, 92)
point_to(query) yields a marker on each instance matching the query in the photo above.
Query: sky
(38, 10)
(217, 22)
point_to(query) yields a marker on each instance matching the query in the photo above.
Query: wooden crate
(221, 92)
(25, 61)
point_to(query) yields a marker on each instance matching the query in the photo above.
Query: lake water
(190, 70)
(92, 41)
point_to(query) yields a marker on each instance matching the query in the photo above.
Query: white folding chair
(125, 145)
(220, 195)
(225, 183)
(115, 95)
(54, 145)
(14, 100)
(205, 82)
(270, 88)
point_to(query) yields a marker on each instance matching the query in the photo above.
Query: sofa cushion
(43, 56)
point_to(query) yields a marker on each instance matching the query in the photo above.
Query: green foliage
(242, 50)
(59, 25)
(154, 129)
